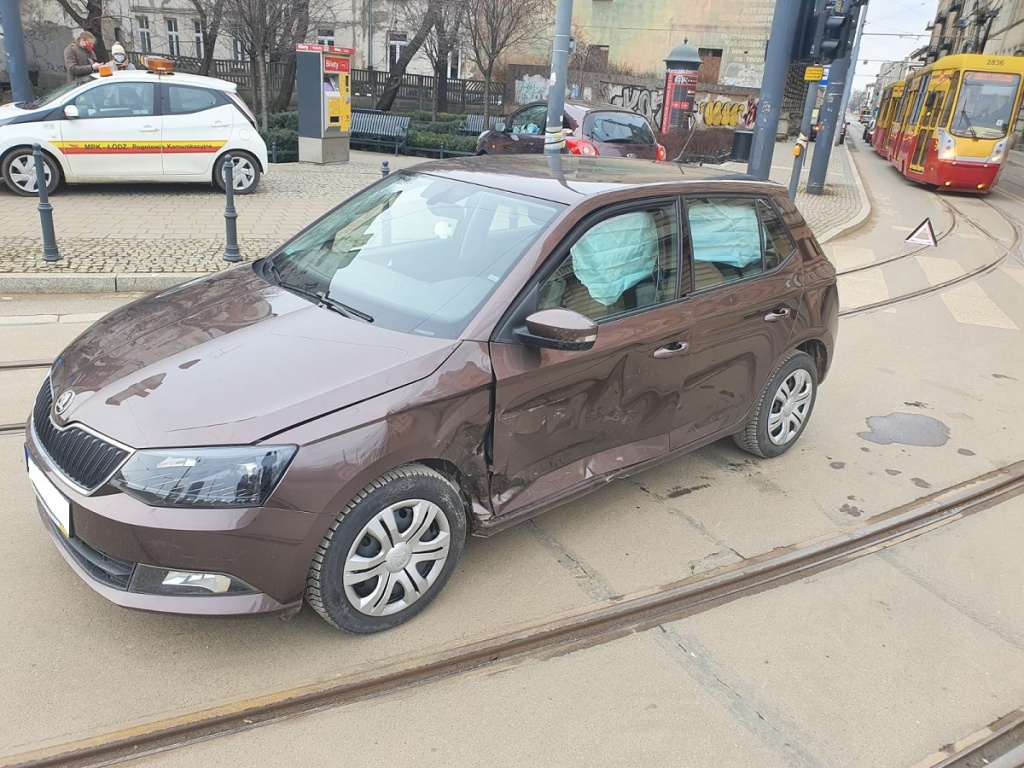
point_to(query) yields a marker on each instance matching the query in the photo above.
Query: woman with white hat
(118, 58)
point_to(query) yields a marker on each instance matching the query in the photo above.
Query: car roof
(568, 179)
(181, 78)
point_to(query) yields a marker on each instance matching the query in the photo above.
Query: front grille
(84, 458)
(106, 569)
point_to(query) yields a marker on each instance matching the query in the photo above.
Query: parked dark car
(841, 135)
(593, 130)
(456, 348)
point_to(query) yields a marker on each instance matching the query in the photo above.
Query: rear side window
(618, 128)
(734, 238)
(184, 100)
(777, 242)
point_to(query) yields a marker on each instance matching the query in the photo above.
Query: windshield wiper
(970, 125)
(320, 298)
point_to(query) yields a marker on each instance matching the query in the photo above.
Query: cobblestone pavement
(179, 228)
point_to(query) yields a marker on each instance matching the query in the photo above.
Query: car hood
(9, 112)
(229, 359)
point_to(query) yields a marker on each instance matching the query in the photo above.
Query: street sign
(813, 73)
(824, 75)
(924, 235)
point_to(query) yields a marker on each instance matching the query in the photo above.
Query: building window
(325, 36)
(197, 36)
(396, 44)
(454, 64)
(237, 50)
(145, 38)
(173, 38)
(118, 35)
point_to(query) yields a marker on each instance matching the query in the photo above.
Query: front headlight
(236, 476)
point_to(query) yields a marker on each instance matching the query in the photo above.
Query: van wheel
(389, 553)
(783, 410)
(19, 170)
(245, 172)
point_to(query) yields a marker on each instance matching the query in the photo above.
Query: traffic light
(804, 42)
(834, 37)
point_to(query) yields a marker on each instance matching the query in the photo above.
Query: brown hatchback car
(454, 349)
(592, 130)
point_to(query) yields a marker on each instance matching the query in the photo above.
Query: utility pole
(17, 59)
(810, 101)
(773, 86)
(829, 116)
(554, 138)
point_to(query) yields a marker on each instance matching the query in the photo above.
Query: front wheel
(390, 551)
(19, 171)
(783, 410)
(245, 173)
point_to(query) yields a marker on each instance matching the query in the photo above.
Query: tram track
(13, 366)
(581, 628)
(958, 213)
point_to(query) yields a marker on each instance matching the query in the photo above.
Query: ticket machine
(324, 88)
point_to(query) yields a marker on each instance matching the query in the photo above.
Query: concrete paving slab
(37, 342)
(18, 391)
(638, 710)
(872, 668)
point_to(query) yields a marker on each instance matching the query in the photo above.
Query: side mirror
(560, 329)
(71, 112)
(499, 127)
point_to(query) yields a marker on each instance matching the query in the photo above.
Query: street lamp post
(554, 139)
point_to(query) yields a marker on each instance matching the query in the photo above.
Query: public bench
(379, 129)
(474, 124)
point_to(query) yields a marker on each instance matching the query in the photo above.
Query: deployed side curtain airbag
(725, 232)
(616, 255)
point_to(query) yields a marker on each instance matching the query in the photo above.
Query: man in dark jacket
(78, 57)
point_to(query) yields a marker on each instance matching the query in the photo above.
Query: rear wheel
(19, 171)
(389, 553)
(783, 410)
(245, 172)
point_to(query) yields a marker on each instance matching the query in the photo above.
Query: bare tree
(88, 14)
(211, 16)
(268, 29)
(495, 26)
(441, 40)
(394, 81)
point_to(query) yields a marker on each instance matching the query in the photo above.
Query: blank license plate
(54, 501)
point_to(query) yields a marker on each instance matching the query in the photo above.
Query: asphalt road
(880, 662)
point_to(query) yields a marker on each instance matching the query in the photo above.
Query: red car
(592, 130)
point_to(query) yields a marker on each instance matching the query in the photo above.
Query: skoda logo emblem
(64, 401)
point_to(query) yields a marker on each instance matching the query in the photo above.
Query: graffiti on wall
(725, 113)
(531, 88)
(640, 99)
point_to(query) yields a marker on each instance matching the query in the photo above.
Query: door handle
(778, 314)
(148, 129)
(671, 350)
(219, 125)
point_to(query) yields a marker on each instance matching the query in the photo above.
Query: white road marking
(968, 303)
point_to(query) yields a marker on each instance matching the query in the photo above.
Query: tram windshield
(985, 107)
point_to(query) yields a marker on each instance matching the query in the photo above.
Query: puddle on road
(906, 429)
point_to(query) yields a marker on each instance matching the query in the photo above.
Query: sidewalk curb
(863, 214)
(94, 282)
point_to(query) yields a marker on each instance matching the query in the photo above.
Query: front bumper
(113, 539)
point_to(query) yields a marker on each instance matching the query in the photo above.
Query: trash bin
(742, 141)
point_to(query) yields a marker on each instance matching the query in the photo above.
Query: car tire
(783, 410)
(20, 174)
(245, 172)
(407, 512)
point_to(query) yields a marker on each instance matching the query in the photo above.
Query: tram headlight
(946, 145)
(998, 152)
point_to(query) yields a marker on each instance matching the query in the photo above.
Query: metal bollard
(231, 252)
(50, 252)
(384, 169)
(273, 152)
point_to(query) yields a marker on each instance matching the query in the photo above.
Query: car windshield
(53, 96)
(415, 253)
(618, 128)
(985, 107)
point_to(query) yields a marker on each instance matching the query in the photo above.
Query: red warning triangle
(924, 234)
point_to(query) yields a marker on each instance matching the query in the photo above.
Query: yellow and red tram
(886, 111)
(952, 124)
